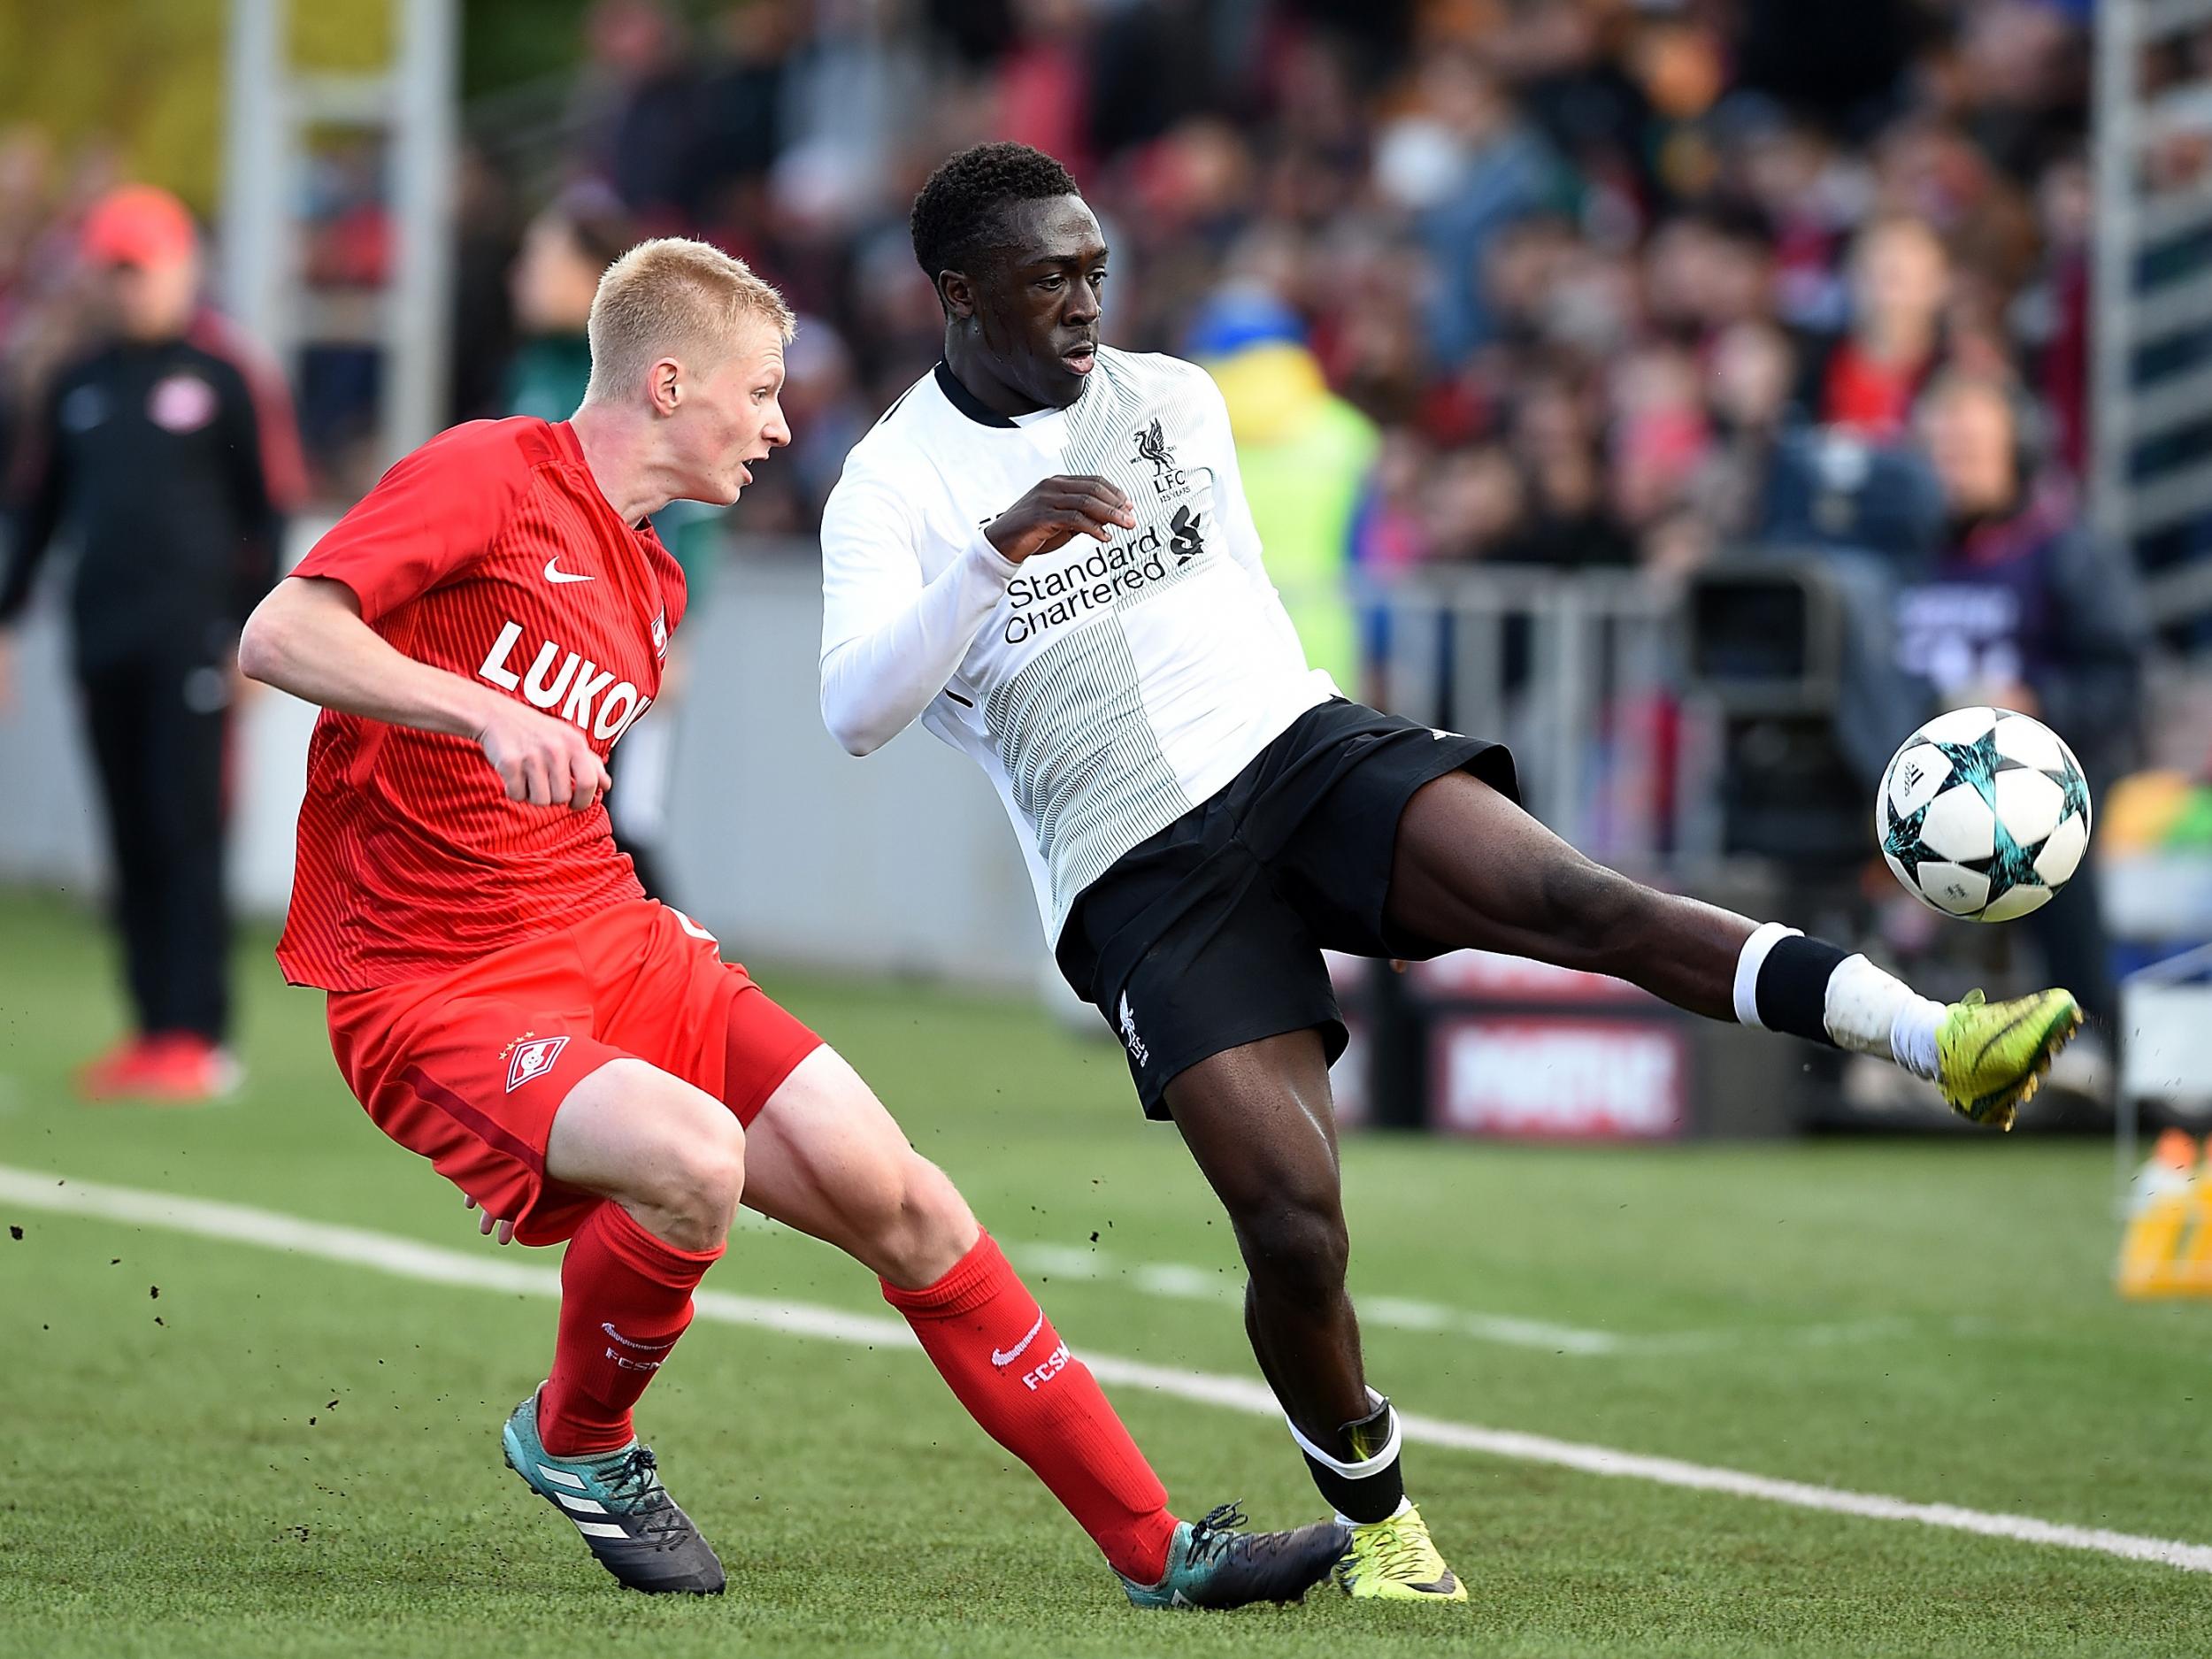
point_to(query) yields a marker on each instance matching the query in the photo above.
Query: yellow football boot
(1396, 1560)
(1990, 1056)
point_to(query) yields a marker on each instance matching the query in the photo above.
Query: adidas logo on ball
(1983, 814)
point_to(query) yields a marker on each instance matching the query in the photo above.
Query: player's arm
(265, 474)
(36, 491)
(308, 638)
(890, 641)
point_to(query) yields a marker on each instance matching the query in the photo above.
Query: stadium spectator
(1900, 279)
(167, 454)
(639, 107)
(1489, 220)
(555, 276)
(1306, 457)
(1465, 165)
(2027, 609)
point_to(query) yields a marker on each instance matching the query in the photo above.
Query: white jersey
(1107, 688)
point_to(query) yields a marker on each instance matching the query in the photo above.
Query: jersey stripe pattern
(490, 553)
(1085, 766)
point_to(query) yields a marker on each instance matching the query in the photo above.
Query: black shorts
(1209, 935)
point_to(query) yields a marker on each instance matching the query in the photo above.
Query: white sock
(1869, 1011)
(1366, 1466)
(1404, 1504)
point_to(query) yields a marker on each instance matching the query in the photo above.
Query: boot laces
(1214, 1537)
(1398, 1551)
(636, 1485)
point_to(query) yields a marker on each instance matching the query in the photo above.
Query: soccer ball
(1983, 814)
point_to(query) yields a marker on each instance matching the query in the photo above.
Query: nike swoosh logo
(643, 1348)
(555, 573)
(1015, 1352)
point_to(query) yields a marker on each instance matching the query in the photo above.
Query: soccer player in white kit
(1043, 550)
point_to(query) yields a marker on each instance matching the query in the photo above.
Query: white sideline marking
(356, 1247)
(1179, 1281)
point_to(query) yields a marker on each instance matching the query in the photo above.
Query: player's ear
(664, 386)
(956, 294)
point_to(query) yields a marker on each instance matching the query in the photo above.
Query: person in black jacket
(166, 456)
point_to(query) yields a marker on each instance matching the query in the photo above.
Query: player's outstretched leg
(1473, 869)
(823, 1156)
(670, 1160)
(1259, 1120)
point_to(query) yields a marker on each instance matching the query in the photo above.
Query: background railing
(2151, 409)
(1576, 670)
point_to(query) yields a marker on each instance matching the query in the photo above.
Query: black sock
(1793, 987)
(1367, 1485)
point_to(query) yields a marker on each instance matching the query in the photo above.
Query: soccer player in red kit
(577, 1058)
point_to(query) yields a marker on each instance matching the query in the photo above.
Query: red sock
(625, 1297)
(984, 1331)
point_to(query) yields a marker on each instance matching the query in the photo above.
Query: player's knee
(699, 1184)
(915, 1222)
(1297, 1248)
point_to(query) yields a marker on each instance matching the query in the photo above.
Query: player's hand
(506, 1228)
(1057, 510)
(542, 760)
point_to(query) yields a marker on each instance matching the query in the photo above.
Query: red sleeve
(436, 512)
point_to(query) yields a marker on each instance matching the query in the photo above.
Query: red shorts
(468, 1068)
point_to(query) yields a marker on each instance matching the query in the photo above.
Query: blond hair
(673, 297)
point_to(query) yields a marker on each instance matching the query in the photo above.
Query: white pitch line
(356, 1247)
(1179, 1281)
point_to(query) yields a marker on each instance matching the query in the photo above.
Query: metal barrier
(1576, 672)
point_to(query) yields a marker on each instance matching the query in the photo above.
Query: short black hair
(957, 211)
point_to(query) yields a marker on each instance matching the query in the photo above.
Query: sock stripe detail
(1755, 949)
(1793, 990)
(1405, 1507)
(1366, 1467)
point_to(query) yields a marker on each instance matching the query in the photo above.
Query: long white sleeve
(890, 641)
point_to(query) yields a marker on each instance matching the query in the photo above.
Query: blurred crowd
(1570, 262)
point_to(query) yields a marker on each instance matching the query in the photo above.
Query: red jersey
(491, 553)
(1872, 399)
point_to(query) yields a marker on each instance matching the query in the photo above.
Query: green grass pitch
(285, 1456)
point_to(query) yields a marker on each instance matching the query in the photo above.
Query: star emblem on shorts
(532, 1057)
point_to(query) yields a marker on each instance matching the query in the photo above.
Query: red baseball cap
(139, 225)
